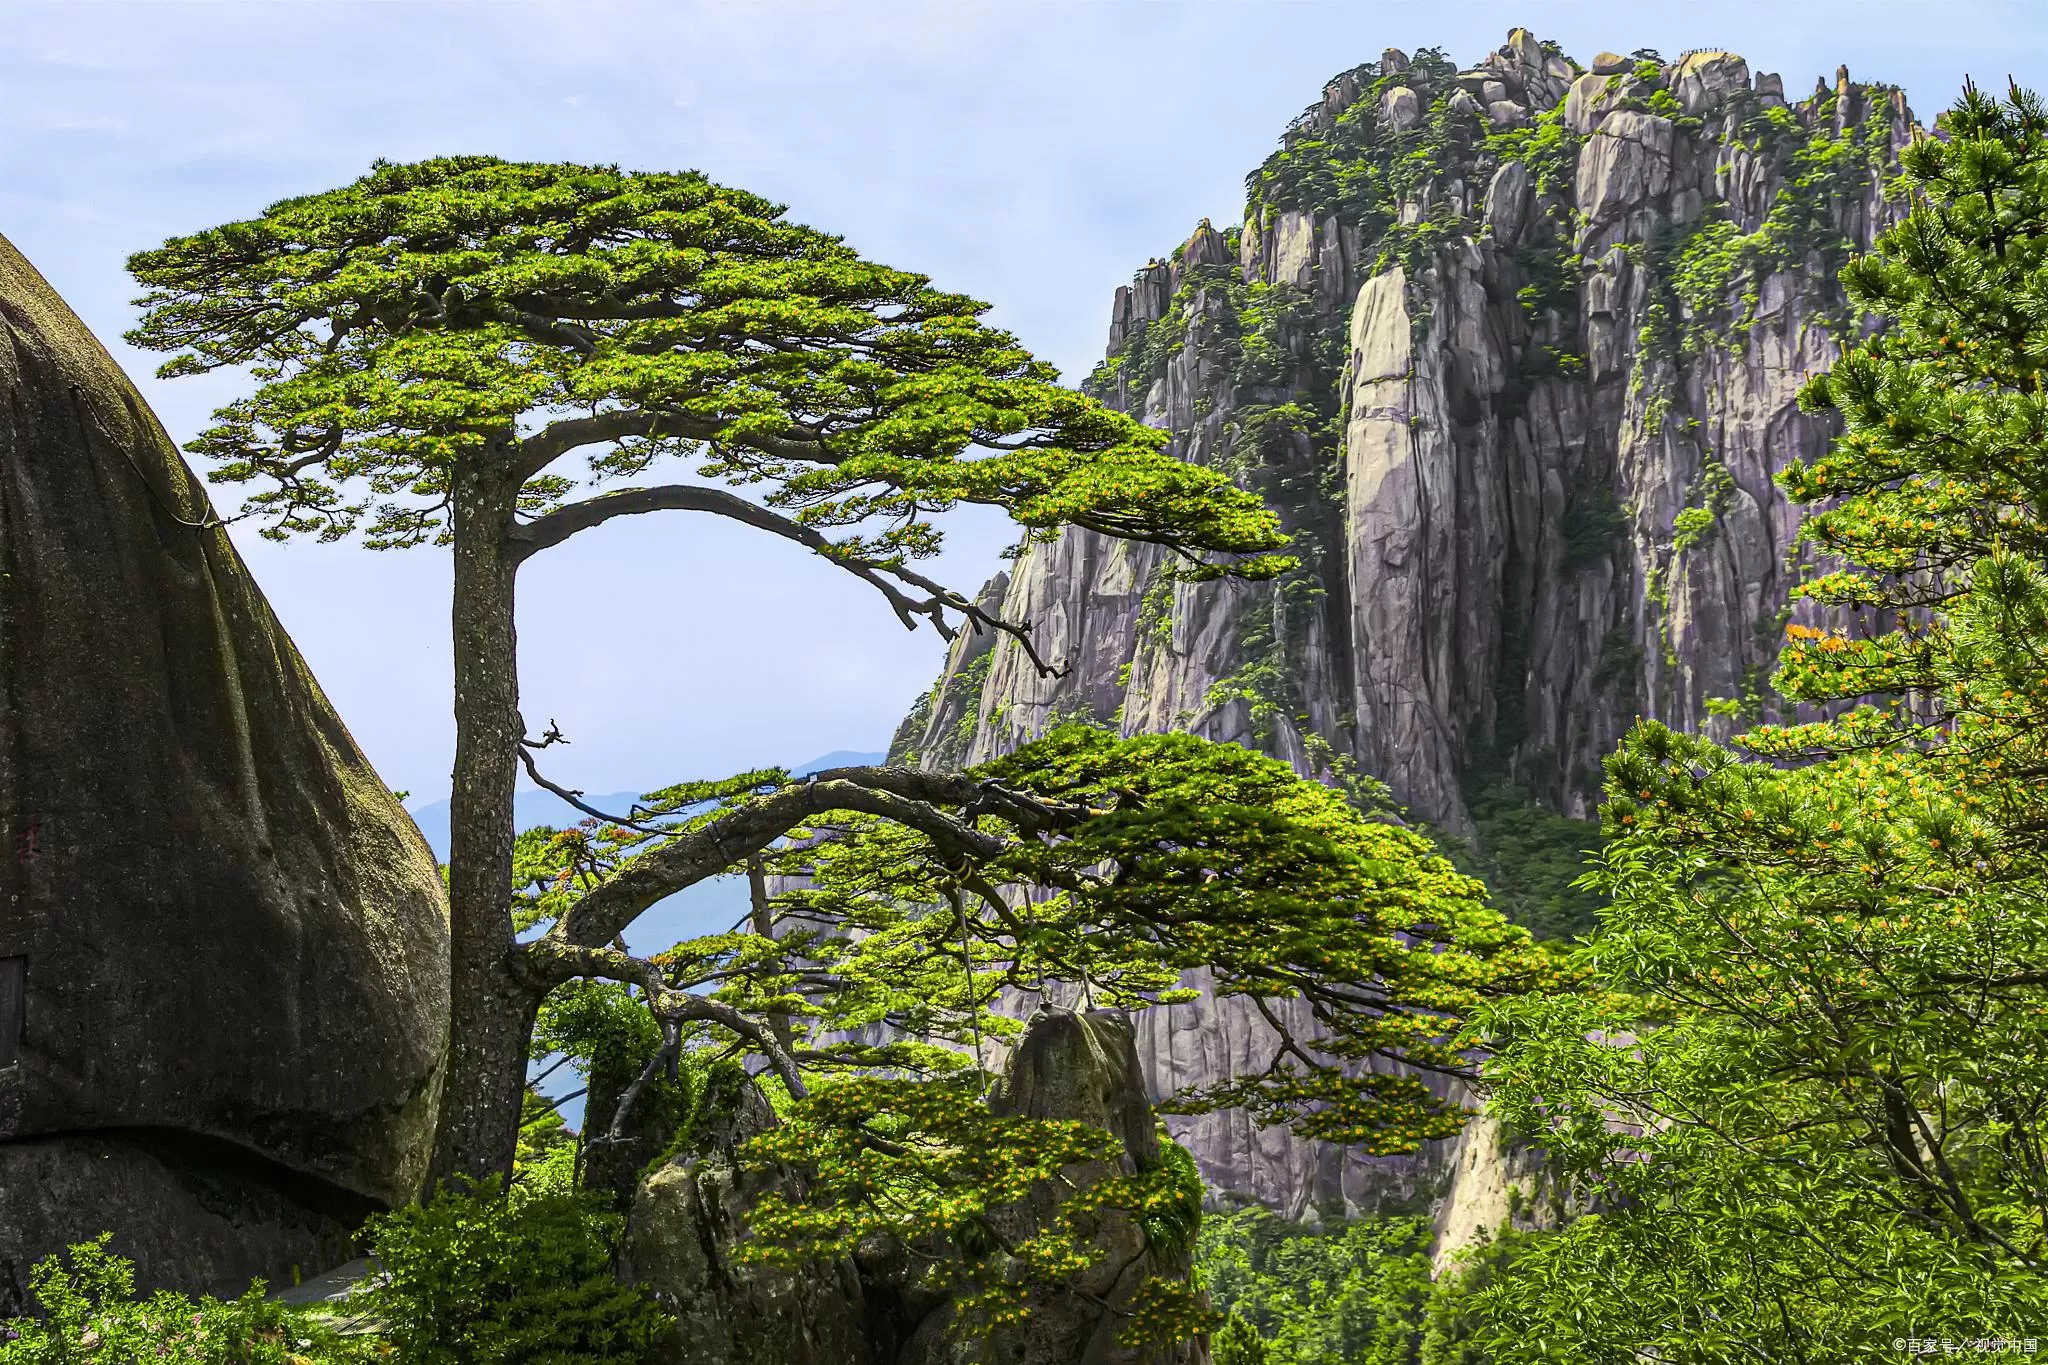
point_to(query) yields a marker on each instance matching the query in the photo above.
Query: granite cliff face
(223, 944)
(1515, 351)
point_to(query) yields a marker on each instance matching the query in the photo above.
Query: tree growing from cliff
(480, 354)
(878, 986)
(460, 350)
(1813, 1102)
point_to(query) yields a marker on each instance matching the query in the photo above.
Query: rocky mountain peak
(1515, 350)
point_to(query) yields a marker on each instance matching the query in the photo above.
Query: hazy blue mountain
(703, 909)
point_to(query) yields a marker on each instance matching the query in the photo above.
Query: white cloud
(1032, 154)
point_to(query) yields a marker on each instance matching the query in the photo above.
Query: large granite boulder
(223, 943)
(1085, 1066)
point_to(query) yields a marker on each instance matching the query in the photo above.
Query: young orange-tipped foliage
(1811, 1102)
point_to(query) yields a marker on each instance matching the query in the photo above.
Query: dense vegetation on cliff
(1513, 351)
(1809, 1101)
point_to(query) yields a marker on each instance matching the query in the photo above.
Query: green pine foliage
(1531, 859)
(1355, 1291)
(88, 1313)
(410, 324)
(491, 355)
(1348, 1293)
(1806, 1101)
(1237, 1342)
(893, 941)
(1226, 861)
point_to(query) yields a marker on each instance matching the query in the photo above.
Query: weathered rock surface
(1626, 165)
(1495, 1184)
(232, 938)
(688, 1218)
(1400, 108)
(1196, 1043)
(1071, 1065)
(1480, 398)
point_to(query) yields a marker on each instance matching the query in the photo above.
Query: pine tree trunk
(491, 1008)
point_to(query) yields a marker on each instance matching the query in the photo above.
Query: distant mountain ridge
(536, 807)
(705, 908)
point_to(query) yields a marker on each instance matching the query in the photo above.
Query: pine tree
(1810, 1107)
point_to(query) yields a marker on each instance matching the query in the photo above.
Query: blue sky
(1033, 153)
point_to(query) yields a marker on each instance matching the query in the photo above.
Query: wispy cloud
(66, 121)
(1031, 154)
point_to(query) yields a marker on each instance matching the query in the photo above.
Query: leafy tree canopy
(1107, 867)
(1358, 1291)
(1810, 1103)
(487, 354)
(878, 981)
(467, 305)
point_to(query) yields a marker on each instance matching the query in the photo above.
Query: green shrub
(1353, 1291)
(1530, 858)
(1594, 526)
(547, 1152)
(1237, 1342)
(1693, 525)
(1347, 1292)
(480, 1278)
(1458, 1327)
(89, 1315)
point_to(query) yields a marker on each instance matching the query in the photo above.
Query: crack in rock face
(1479, 394)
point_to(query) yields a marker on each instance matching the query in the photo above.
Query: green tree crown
(1807, 1106)
(491, 355)
(430, 310)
